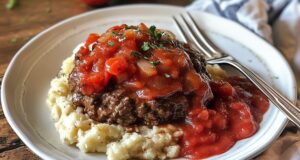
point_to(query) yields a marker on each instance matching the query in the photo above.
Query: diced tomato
(93, 37)
(130, 44)
(192, 81)
(143, 27)
(261, 103)
(220, 121)
(204, 115)
(116, 65)
(87, 64)
(226, 89)
(117, 28)
(182, 60)
(167, 62)
(130, 34)
(92, 83)
(83, 51)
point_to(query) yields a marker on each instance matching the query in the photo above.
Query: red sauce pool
(233, 114)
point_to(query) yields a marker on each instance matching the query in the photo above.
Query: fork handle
(281, 102)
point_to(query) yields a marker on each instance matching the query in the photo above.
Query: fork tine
(181, 29)
(188, 35)
(202, 37)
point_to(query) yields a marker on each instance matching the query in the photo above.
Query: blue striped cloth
(278, 22)
(256, 15)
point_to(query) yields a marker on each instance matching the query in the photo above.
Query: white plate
(26, 82)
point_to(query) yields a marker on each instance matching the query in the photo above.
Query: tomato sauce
(233, 114)
(128, 56)
(133, 59)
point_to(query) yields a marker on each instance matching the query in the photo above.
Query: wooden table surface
(19, 25)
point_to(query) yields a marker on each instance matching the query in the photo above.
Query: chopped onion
(146, 67)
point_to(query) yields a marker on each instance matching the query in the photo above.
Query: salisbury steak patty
(150, 84)
(115, 107)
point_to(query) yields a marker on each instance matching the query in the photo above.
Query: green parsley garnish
(110, 43)
(156, 35)
(135, 54)
(145, 46)
(126, 27)
(152, 30)
(113, 33)
(155, 63)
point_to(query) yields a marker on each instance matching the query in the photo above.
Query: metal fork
(193, 35)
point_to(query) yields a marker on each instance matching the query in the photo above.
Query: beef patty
(115, 106)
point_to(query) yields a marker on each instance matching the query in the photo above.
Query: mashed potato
(76, 128)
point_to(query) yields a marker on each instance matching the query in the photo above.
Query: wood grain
(30, 17)
(18, 26)
(21, 153)
(8, 139)
(10, 142)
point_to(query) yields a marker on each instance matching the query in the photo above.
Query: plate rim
(12, 63)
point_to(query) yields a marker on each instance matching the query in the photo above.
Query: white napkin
(278, 22)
